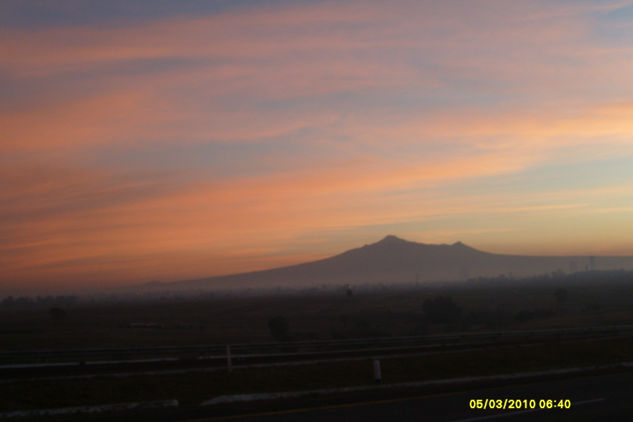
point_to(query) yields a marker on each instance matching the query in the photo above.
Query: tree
(441, 309)
(57, 314)
(278, 327)
(561, 295)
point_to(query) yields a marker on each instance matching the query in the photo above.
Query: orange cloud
(239, 225)
(229, 63)
(73, 221)
(403, 104)
(520, 132)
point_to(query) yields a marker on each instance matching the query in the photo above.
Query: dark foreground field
(586, 301)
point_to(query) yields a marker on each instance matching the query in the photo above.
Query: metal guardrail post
(229, 363)
(377, 371)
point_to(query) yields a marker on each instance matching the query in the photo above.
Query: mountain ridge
(396, 260)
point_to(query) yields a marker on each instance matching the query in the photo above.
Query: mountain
(395, 260)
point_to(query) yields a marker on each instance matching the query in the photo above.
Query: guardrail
(241, 350)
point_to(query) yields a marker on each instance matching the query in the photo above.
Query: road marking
(332, 406)
(236, 398)
(507, 414)
(116, 407)
(377, 402)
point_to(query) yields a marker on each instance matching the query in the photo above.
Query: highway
(604, 395)
(594, 398)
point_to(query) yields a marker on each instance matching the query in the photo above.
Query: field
(589, 300)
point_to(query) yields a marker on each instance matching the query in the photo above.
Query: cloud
(259, 72)
(68, 221)
(365, 113)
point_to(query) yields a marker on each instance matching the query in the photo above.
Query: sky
(160, 141)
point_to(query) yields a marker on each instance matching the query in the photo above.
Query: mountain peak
(391, 239)
(462, 246)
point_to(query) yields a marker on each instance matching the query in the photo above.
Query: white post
(229, 364)
(377, 372)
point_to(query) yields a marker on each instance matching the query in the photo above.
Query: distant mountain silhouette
(395, 260)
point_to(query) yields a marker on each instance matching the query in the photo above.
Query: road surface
(595, 398)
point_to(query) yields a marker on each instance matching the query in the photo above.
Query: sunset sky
(167, 140)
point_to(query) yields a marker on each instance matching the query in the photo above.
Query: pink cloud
(549, 90)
